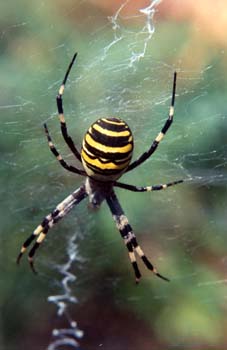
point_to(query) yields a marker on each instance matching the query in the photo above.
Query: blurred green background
(125, 71)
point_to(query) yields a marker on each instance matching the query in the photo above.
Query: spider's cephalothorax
(106, 154)
(97, 191)
(107, 149)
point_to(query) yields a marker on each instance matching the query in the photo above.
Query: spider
(105, 156)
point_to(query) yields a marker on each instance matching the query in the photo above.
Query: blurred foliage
(182, 229)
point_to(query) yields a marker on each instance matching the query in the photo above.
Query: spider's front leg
(129, 238)
(161, 134)
(48, 222)
(59, 157)
(59, 101)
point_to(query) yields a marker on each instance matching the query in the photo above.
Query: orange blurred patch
(129, 7)
(208, 17)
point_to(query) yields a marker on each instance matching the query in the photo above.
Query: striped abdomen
(107, 149)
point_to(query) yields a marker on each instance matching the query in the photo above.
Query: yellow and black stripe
(107, 149)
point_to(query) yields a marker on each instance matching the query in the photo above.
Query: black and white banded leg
(162, 133)
(59, 157)
(147, 188)
(129, 238)
(59, 101)
(49, 221)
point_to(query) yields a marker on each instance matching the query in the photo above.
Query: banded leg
(147, 188)
(129, 238)
(44, 232)
(59, 101)
(58, 213)
(59, 157)
(162, 133)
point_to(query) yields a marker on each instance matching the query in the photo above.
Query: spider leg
(59, 157)
(129, 237)
(147, 188)
(58, 213)
(162, 133)
(44, 232)
(59, 101)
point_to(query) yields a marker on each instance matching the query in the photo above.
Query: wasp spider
(106, 154)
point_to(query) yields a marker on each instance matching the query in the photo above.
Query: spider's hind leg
(146, 261)
(41, 231)
(35, 234)
(147, 188)
(130, 238)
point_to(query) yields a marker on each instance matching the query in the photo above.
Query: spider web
(121, 52)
